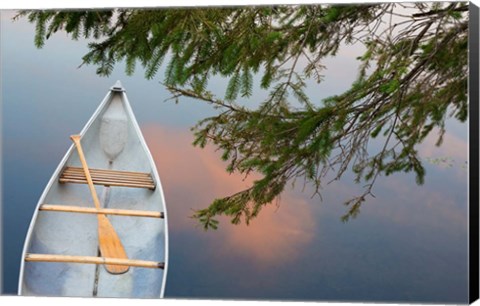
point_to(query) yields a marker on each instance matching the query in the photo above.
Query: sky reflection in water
(408, 244)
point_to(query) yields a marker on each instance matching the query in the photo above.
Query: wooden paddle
(109, 242)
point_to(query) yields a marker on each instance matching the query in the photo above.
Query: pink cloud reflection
(452, 146)
(192, 178)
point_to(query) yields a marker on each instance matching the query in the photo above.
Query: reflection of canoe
(61, 256)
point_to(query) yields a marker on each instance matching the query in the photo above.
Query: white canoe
(61, 254)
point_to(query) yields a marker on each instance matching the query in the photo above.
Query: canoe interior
(76, 234)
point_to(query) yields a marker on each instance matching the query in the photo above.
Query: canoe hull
(65, 233)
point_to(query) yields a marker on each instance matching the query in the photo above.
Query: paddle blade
(110, 245)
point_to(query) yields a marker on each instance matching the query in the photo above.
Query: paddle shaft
(76, 140)
(108, 240)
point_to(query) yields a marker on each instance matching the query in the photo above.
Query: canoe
(61, 255)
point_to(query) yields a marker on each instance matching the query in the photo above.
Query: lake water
(409, 244)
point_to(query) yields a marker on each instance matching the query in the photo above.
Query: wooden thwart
(94, 260)
(105, 211)
(108, 178)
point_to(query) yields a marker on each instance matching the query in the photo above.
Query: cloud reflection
(192, 178)
(452, 146)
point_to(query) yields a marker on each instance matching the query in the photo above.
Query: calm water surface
(409, 244)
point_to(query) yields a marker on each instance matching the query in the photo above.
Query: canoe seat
(108, 178)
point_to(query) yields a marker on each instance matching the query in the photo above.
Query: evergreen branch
(207, 98)
(411, 78)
